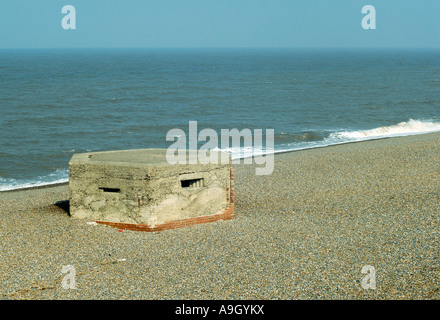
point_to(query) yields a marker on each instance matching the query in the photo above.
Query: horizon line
(223, 47)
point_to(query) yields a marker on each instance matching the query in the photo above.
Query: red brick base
(227, 214)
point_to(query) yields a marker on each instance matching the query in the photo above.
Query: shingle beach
(304, 232)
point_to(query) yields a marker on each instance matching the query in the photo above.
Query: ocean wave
(300, 137)
(289, 142)
(401, 129)
(411, 127)
(59, 176)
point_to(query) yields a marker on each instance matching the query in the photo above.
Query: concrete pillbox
(139, 190)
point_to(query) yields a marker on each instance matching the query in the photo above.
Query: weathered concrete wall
(140, 187)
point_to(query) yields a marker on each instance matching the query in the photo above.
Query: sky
(219, 23)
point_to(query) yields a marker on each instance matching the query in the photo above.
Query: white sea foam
(244, 152)
(59, 176)
(411, 127)
(401, 129)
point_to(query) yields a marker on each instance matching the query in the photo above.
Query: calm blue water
(54, 103)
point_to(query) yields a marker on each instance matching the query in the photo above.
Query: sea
(58, 102)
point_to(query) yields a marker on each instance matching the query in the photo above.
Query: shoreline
(50, 185)
(304, 232)
(275, 153)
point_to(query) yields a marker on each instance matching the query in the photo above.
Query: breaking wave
(283, 142)
(401, 129)
(59, 176)
(316, 140)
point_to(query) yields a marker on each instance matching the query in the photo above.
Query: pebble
(304, 232)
